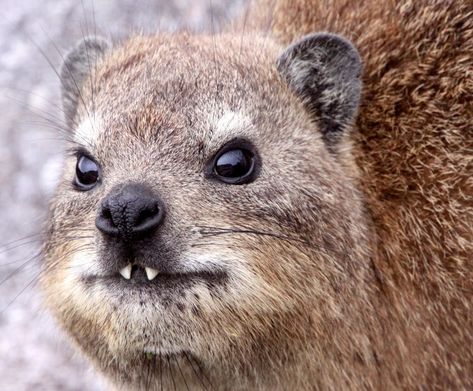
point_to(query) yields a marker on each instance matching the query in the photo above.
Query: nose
(130, 212)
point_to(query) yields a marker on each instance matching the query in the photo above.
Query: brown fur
(414, 145)
(366, 278)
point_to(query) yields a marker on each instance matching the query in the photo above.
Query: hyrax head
(206, 213)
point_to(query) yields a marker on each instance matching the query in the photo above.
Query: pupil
(233, 164)
(87, 171)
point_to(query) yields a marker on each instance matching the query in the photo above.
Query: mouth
(134, 276)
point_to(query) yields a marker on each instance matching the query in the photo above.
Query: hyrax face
(205, 215)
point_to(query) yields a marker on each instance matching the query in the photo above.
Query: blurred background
(34, 34)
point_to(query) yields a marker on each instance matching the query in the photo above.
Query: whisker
(215, 231)
(68, 254)
(50, 102)
(76, 86)
(35, 279)
(91, 79)
(45, 115)
(49, 120)
(30, 239)
(20, 268)
(13, 262)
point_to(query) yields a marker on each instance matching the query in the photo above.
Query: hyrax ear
(77, 66)
(324, 70)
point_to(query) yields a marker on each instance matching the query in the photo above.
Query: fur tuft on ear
(324, 70)
(77, 66)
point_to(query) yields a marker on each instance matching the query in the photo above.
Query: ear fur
(77, 66)
(324, 70)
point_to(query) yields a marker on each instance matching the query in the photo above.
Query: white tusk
(126, 271)
(151, 273)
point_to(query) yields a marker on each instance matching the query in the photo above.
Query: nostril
(148, 218)
(146, 215)
(106, 214)
(104, 221)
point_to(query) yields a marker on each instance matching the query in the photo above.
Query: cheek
(288, 276)
(257, 278)
(72, 302)
(240, 283)
(83, 262)
(64, 268)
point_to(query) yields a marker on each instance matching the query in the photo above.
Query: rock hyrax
(231, 218)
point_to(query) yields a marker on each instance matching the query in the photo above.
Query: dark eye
(234, 166)
(87, 173)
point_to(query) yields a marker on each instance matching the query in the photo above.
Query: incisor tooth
(126, 271)
(151, 273)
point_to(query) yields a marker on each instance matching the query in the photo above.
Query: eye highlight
(87, 173)
(235, 164)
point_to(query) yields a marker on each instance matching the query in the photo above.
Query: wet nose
(130, 212)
